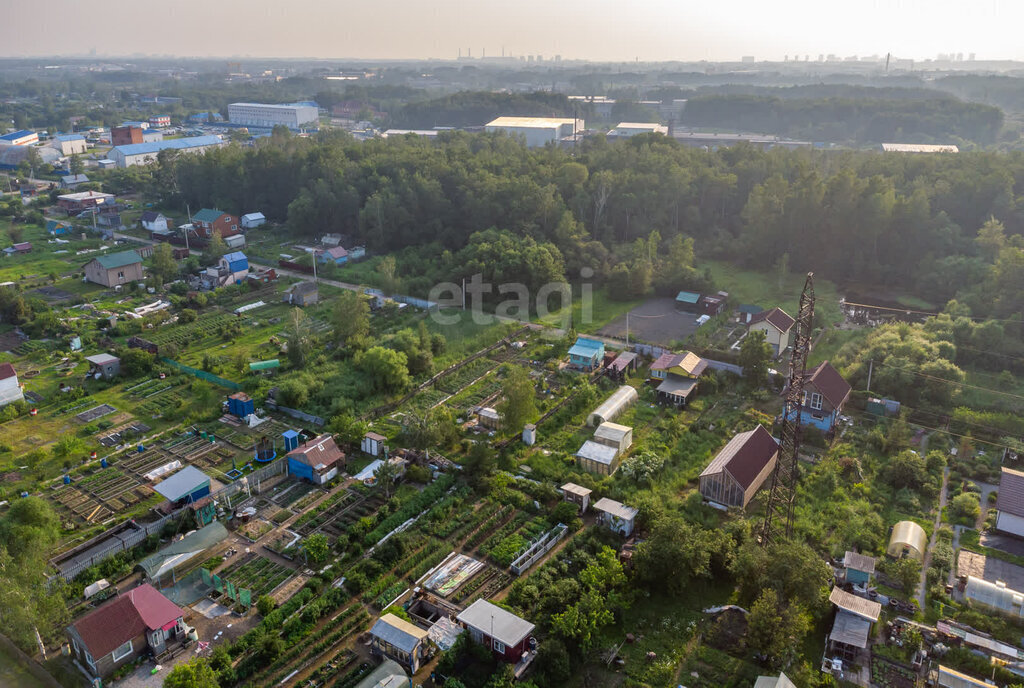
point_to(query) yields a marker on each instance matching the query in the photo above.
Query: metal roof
(780, 681)
(688, 297)
(15, 135)
(183, 551)
(182, 483)
(532, 122)
(573, 488)
(586, 347)
(849, 602)
(69, 137)
(208, 215)
(175, 144)
(74, 179)
(617, 509)
(235, 255)
(776, 317)
(612, 432)
(677, 386)
(498, 623)
(859, 562)
(919, 148)
(102, 359)
(1010, 496)
(118, 260)
(398, 632)
(850, 629)
(951, 678)
(595, 451)
(745, 456)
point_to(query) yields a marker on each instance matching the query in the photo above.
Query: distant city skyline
(598, 30)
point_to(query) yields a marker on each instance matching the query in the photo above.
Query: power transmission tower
(778, 517)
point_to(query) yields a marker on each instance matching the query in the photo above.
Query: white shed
(253, 220)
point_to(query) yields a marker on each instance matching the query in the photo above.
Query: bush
(965, 508)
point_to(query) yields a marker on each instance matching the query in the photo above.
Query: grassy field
(13, 675)
(603, 310)
(764, 289)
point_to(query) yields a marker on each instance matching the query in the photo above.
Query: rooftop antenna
(887, 56)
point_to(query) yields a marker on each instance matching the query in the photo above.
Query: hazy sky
(575, 29)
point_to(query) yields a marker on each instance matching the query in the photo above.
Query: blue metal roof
(69, 137)
(235, 255)
(586, 347)
(17, 135)
(688, 297)
(157, 146)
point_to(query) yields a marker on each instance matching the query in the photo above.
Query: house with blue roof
(145, 153)
(586, 354)
(57, 228)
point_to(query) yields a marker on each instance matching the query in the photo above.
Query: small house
(208, 222)
(859, 568)
(851, 629)
(75, 203)
(488, 418)
(252, 220)
(241, 405)
(676, 376)
(776, 325)
(688, 302)
(908, 540)
(19, 248)
(506, 634)
(106, 164)
(613, 406)
(399, 640)
(114, 269)
(580, 496)
(825, 393)
(616, 516)
(184, 487)
(103, 366)
(237, 264)
(1010, 502)
(713, 304)
(317, 460)
(133, 623)
(373, 444)
(301, 294)
(335, 254)
(624, 364)
(738, 471)
(71, 181)
(10, 388)
(586, 354)
(154, 221)
(56, 228)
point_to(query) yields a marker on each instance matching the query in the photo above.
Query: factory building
(263, 115)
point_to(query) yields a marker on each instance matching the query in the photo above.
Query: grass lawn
(831, 342)
(603, 310)
(763, 289)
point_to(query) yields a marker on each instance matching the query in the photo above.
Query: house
(624, 364)
(580, 496)
(252, 220)
(374, 444)
(241, 405)
(1010, 502)
(184, 487)
(859, 568)
(261, 275)
(335, 254)
(780, 681)
(236, 263)
(776, 325)
(586, 354)
(125, 135)
(908, 540)
(159, 120)
(740, 469)
(400, 640)
(103, 366)
(676, 375)
(852, 627)
(488, 418)
(57, 228)
(616, 516)
(507, 635)
(114, 268)
(614, 405)
(317, 460)
(688, 302)
(825, 392)
(70, 181)
(133, 623)
(301, 294)
(713, 304)
(208, 222)
(10, 388)
(19, 248)
(75, 203)
(154, 221)
(745, 312)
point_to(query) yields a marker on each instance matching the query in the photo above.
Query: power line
(952, 382)
(945, 432)
(988, 353)
(929, 313)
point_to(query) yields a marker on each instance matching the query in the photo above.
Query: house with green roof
(114, 269)
(208, 222)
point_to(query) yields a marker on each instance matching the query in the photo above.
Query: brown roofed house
(736, 474)
(776, 325)
(825, 392)
(1010, 502)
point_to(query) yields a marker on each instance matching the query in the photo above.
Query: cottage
(852, 627)
(10, 388)
(616, 516)
(1010, 502)
(614, 405)
(208, 222)
(236, 264)
(317, 460)
(507, 635)
(713, 304)
(71, 181)
(114, 269)
(859, 568)
(133, 623)
(252, 220)
(75, 203)
(738, 471)
(825, 393)
(908, 540)
(374, 444)
(335, 254)
(676, 376)
(154, 221)
(586, 354)
(301, 294)
(184, 487)
(400, 640)
(103, 366)
(776, 325)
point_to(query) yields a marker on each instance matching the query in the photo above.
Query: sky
(653, 30)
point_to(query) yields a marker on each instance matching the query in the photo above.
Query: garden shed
(187, 485)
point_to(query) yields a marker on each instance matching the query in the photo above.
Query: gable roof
(118, 260)
(690, 362)
(320, 451)
(776, 317)
(745, 456)
(182, 483)
(151, 216)
(496, 622)
(208, 215)
(617, 509)
(830, 383)
(859, 562)
(7, 371)
(336, 252)
(866, 609)
(235, 255)
(398, 632)
(1010, 496)
(586, 347)
(129, 615)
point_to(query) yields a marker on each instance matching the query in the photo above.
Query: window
(88, 659)
(816, 401)
(122, 652)
(497, 645)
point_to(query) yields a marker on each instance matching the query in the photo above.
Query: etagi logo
(552, 303)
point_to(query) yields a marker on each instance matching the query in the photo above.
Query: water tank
(67, 479)
(103, 463)
(142, 448)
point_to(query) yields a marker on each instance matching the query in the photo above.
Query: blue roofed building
(205, 117)
(23, 137)
(144, 153)
(586, 354)
(57, 228)
(688, 301)
(69, 144)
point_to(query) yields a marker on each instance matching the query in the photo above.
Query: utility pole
(871, 368)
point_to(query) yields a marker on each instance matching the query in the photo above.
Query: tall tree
(195, 673)
(350, 318)
(776, 629)
(519, 403)
(164, 266)
(755, 354)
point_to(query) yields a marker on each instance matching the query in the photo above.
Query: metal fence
(96, 550)
(302, 415)
(202, 374)
(538, 548)
(253, 482)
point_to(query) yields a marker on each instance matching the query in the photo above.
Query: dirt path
(922, 585)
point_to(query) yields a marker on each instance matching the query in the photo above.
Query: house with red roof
(825, 393)
(132, 624)
(317, 460)
(676, 376)
(738, 471)
(776, 325)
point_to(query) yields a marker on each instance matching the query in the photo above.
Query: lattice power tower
(782, 497)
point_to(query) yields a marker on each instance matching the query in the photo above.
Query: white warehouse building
(263, 115)
(537, 131)
(145, 153)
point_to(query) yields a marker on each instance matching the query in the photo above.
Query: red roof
(7, 371)
(830, 383)
(776, 317)
(321, 450)
(336, 252)
(745, 456)
(129, 615)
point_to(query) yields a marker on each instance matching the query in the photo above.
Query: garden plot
(94, 413)
(257, 574)
(325, 512)
(198, 333)
(290, 492)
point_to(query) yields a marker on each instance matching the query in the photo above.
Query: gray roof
(595, 451)
(780, 681)
(850, 629)
(678, 386)
(859, 562)
(848, 602)
(612, 432)
(493, 621)
(389, 674)
(183, 551)
(618, 509)
(176, 144)
(573, 488)
(398, 632)
(74, 178)
(1010, 497)
(102, 359)
(181, 483)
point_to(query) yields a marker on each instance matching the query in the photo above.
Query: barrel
(67, 479)
(103, 463)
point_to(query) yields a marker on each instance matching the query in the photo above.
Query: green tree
(299, 339)
(518, 405)
(350, 318)
(215, 250)
(265, 604)
(164, 267)
(678, 552)
(907, 573)
(965, 508)
(316, 547)
(384, 370)
(75, 164)
(776, 629)
(755, 355)
(136, 362)
(385, 476)
(583, 620)
(195, 673)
